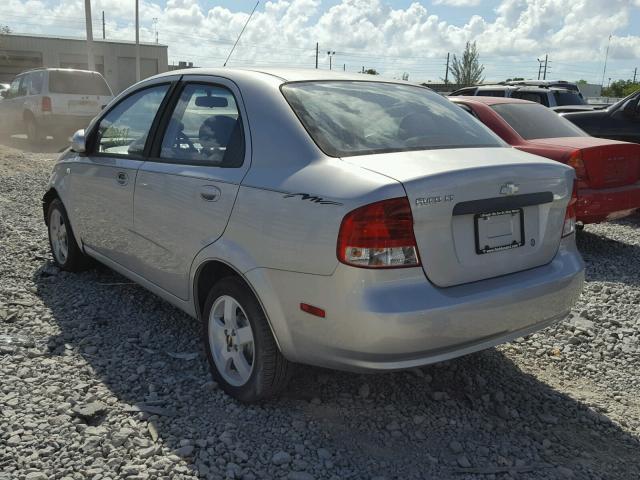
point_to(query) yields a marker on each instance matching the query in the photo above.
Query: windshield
(532, 120)
(623, 101)
(568, 98)
(348, 118)
(78, 83)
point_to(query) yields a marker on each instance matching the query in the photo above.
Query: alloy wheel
(231, 341)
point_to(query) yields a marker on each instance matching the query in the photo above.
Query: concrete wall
(115, 60)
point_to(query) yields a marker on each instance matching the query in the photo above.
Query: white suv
(52, 101)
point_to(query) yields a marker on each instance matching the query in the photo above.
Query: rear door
(102, 182)
(185, 193)
(619, 126)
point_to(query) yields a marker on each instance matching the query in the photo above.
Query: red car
(607, 171)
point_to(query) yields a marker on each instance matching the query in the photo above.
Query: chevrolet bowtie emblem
(509, 189)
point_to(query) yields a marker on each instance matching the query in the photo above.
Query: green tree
(468, 70)
(620, 88)
(371, 71)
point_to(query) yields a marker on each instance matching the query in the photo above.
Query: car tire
(242, 353)
(66, 252)
(34, 134)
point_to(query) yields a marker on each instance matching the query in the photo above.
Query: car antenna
(241, 32)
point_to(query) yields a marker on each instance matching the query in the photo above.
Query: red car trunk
(607, 171)
(606, 163)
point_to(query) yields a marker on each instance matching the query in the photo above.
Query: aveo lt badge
(435, 199)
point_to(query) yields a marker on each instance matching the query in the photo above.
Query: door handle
(122, 178)
(210, 193)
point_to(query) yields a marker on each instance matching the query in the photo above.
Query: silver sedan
(319, 218)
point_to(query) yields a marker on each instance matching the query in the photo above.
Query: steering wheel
(181, 139)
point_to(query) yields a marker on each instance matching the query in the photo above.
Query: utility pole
(344, 67)
(316, 55)
(91, 64)
(546, 59)
(155, 26)
(606, 56)
(137, 42)
(635, 71)
(331, 53)
(104, 32)
(446, 72)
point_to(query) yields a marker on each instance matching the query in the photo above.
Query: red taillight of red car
(379, 235)
(575, 161)
(46, 104)
(569, 226)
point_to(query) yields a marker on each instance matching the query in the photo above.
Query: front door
(103, 181)
(11, 118)
(184, 196)
(621, 126)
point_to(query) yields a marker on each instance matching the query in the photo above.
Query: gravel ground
(101, 380)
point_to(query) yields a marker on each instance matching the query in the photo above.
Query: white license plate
(496, 231)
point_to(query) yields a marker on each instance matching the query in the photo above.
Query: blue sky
(392, 36)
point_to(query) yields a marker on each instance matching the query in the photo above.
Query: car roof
(285, 74)
(490, 100)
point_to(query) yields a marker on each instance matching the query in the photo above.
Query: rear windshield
(78, 83)
(348, 118)
(568, 98)
(532, 121)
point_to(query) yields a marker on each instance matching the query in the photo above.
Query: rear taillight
(379, 235)
(575, 161)
(46, 104)
(569, 226)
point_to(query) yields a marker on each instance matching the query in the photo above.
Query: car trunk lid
(608, 163)
(479, 212)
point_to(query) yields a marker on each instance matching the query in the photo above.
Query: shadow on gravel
(49, 145)
(476, 415)
(622, 257)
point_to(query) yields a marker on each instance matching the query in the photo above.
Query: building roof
(81, 39)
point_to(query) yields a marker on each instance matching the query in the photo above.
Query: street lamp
(331, 53)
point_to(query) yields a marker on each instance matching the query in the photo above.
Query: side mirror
(630, 108)
(79, 142)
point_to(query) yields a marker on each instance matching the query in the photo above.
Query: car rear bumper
(607, 203)
(396, 319)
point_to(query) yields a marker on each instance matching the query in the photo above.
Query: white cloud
(457, 3)
(363, 32)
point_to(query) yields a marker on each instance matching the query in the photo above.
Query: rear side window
(35, 83)
(540, 98)
(124, 130)
(77, 82)
(490, 93)
(348, 118)
(533, 121)
(205, 128)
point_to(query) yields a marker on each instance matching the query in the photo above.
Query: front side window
(124, 130)
(205, 128)
(533, 121)
(14, 87)
(348, 118)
